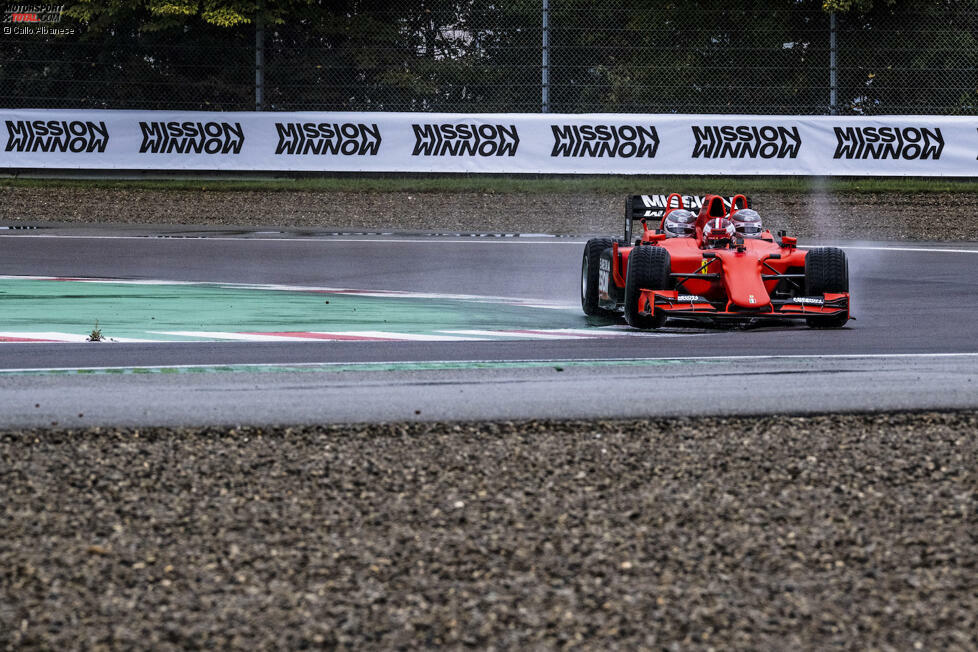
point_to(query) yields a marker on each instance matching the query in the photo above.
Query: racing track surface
(913, 344)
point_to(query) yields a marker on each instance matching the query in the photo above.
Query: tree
(155, 15)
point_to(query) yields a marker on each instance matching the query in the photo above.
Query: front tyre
(648, 269)
(590, 277)
(826, 270)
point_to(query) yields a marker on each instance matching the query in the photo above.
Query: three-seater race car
(719, 264)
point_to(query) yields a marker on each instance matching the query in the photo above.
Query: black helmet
(679, 223)
(747, 223)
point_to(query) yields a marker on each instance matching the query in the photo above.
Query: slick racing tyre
(590, 273)
(648, 268)
(826, 270)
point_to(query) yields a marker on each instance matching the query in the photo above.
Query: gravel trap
(856, 532)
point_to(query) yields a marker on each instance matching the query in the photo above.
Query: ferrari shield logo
(750, 298)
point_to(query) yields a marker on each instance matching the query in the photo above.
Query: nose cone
(742, 277)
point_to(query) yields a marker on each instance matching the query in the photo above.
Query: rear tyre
(589, 277)
(826, 270)
(648, 269)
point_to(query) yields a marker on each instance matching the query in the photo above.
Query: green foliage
(157, 15)
(865, 6)
(846, 6)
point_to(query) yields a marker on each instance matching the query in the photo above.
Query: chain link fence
(622, 56)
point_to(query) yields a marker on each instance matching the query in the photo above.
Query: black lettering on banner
(460, 139)
(322, 138)
(598, 141)
(880, 143)
(176, 137)
(746, 141)
(74, 136)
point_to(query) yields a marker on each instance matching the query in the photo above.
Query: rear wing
(653, 207)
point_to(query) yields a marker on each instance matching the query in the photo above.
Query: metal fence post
(545, 107)
(260, 57)
(833, 79)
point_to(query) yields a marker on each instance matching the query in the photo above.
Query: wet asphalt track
(914, 344)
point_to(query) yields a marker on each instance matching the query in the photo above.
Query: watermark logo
(346, 139)
(33, 14)
(598, 141)
(34, 20)
(878, 143)
(453, 139)
(746, 141)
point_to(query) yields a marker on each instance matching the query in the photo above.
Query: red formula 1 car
(717, 264)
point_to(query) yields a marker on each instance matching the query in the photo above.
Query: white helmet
(747, 223)
(718, 232)
(679, 223)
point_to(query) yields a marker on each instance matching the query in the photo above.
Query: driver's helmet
(747, 223)
(717, 233)
(679, 223)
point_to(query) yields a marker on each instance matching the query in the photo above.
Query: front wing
(674, 304)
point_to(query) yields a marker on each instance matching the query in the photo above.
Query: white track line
(544, 361)
(405, 337)
(511, 335)
(557, 333)
(917, 249)
(237, 337)
(601, 331)
(320, 336)
(523, 302)
(366, 336)
(604, 332)
(471, 240)
(326, 240)
(62, 337)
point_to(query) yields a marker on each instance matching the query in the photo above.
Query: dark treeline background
(713, 56)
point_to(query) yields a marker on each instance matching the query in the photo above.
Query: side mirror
(789, 242)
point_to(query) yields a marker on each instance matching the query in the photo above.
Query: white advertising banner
(920, 145)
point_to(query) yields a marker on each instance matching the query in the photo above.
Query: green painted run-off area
(142, 311)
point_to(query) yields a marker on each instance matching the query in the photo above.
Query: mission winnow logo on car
(908, 143)
(655, 205)
(745, 141)
(455, 139)
(56, 136)
(346, 139)
(597, 141)
(191, 137)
